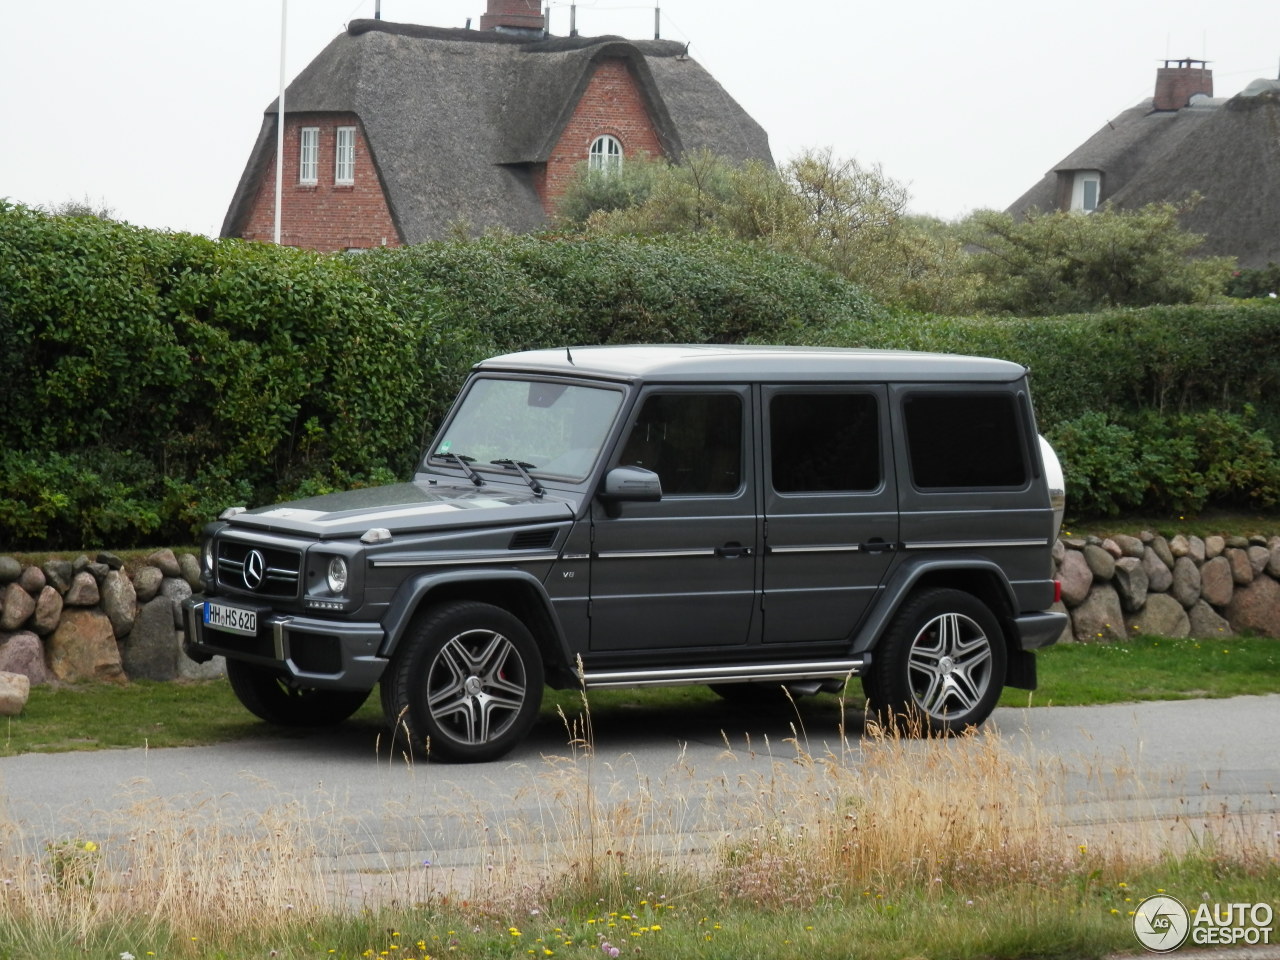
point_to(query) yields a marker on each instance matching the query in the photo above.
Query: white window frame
(606, 155)
(1084, 179)
(309, 155)
(344, 161)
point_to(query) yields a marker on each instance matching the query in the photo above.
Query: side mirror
(631, 485)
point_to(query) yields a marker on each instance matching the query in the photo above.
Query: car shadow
(814, 725)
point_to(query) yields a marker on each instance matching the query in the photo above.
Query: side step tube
(682, 676)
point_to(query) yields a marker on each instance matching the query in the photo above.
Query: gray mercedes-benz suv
(744, 517)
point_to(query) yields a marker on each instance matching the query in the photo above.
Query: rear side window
(824, 442)
(964, 440)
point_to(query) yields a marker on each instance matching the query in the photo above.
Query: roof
(455, 119)
(685, 363)
(1223, 149)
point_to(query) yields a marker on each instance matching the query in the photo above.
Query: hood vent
(533, 539)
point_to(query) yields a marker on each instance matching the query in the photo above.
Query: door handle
(878, 546)
(730, 550)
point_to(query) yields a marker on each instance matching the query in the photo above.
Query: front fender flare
(416, 591)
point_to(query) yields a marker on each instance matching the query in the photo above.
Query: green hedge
(150, 379)
(153, 378)
(1167, 359)
(1164, 409)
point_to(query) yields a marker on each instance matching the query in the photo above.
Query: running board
(741, 673)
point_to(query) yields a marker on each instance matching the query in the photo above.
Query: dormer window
(606, 155)
(1086, 191)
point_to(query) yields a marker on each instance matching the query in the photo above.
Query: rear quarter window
(964, 440)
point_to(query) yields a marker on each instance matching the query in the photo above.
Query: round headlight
(207, 558)
(337, 575)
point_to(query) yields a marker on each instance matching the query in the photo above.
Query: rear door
(680, 573)
(830, 508)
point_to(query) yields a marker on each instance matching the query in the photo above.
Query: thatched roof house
(1184, 141)
(397, 133)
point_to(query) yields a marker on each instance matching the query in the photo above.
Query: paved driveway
(376, 815)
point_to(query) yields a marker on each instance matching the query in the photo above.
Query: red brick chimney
(1180, 80)
(514, 16)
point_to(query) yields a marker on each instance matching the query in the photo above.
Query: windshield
(551, 429)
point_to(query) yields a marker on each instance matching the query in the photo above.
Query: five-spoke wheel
(940, 666)
(465, 684)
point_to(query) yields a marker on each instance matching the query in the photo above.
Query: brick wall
(325, 215)
(1175, 86)
(612, 104)
(520, 14)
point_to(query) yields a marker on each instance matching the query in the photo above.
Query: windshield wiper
(463, 461)
(523, 469)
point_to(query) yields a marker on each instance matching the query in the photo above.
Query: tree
(837, 213)
(84, 207)
(1070, 262)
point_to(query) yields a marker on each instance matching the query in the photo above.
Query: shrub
(1163, 464)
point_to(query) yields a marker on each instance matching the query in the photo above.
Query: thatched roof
(456, 119)
(1228, 151)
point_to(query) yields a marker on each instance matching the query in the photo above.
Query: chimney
(520, 17)
(1180, 80)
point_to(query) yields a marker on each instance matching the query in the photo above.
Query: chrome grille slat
(281, 569)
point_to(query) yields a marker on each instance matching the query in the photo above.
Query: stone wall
(1179, 587)
(93, 621)
(88, 620)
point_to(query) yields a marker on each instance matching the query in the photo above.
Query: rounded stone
(1101, 563)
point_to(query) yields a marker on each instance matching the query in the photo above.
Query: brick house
(398, 133)
(1181, 141)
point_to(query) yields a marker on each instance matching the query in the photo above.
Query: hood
(404, 508)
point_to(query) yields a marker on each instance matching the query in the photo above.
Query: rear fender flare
(911, 574)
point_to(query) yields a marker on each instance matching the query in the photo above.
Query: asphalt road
(377, 817)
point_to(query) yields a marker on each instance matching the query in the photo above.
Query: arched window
(606, 154)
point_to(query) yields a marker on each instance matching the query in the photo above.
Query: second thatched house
(399, 133)
(1182, 141)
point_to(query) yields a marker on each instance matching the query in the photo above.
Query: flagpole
(284, 22)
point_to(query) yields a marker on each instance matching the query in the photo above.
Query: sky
(150, 108)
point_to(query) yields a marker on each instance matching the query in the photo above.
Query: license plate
(229, 619)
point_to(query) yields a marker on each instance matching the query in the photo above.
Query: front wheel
(466, 683)
(939, 667)
(266, 694)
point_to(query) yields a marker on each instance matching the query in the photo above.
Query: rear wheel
(466, 683)
(939, 667)
(267, 695)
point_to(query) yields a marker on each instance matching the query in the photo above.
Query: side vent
(532, 539)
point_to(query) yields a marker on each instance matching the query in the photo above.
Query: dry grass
(160, 870)
(875, 818)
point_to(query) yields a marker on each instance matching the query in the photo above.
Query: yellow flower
(90, 846)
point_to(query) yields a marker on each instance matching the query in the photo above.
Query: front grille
(263, 571)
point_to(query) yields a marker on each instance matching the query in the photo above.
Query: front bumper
(324, 654)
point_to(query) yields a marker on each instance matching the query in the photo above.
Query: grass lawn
(146, 714)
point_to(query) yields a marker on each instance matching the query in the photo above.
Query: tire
(940, 666)
(465, 684)
(266, 694)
